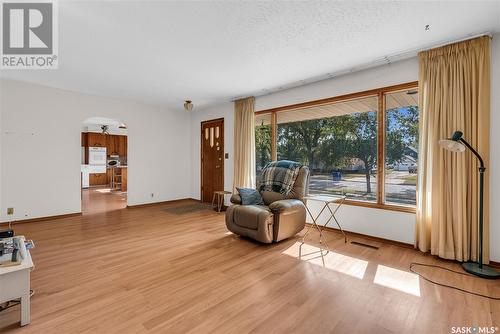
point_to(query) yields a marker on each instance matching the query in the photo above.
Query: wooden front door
(212, 158)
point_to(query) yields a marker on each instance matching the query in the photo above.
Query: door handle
(217, 166)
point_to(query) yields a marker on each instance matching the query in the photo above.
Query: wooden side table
(220, 195)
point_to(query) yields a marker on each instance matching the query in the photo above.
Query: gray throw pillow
(250, 196)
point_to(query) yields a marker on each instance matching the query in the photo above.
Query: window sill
(390, 207)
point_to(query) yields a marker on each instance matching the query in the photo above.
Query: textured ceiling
(162, 53)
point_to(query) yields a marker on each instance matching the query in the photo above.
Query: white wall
(40, 143)
(381, 223)
(495, 152)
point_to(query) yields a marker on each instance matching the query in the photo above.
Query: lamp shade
(452, 145)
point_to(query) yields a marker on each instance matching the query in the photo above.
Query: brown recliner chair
(280, 218)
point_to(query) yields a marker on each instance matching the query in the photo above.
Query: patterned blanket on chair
(279, 176)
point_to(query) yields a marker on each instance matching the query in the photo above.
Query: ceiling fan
(104, 129)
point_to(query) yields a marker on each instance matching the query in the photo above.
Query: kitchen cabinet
(113, 145)
(84, 140)
(118, 177)
(96, 139)
(122, 146)
(117, 145)
(108, 175)
(98, 179)
(124, 178)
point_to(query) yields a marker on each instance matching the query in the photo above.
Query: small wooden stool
(220, 198)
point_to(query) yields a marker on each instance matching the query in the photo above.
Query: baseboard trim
(494, 264)
(40, 219)
(388, 241)
(69, 215)
(135, 206)
(368, 237)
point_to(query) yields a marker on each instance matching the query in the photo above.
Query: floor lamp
(457, 144)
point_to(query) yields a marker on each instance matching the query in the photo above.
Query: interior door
(212, 158)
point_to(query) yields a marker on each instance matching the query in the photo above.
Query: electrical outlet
(10, 211)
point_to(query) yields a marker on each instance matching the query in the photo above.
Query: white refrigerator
(97, 156)
(96, 165)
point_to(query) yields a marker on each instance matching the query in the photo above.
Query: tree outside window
(339, 143)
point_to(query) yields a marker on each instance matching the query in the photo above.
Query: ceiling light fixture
(188, 105)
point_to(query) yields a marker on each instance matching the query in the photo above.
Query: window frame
(381, 135)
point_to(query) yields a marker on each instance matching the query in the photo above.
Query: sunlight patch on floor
(398, 280)
(103, 191)
(334, 261)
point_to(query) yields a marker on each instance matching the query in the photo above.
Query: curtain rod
(440, 44)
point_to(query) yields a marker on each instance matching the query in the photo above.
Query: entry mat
(188, 208)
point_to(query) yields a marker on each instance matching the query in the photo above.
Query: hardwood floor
(102, 199)
(147, 270)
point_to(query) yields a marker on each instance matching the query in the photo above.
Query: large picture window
(338, 142)
(361, 145)
(401, 147)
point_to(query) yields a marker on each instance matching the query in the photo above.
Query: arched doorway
(104, 165)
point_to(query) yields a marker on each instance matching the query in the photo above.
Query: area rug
(188, 208)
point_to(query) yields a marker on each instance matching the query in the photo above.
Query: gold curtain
(244, 143)
(454, 87)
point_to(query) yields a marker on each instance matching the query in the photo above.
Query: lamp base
(484, 272)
